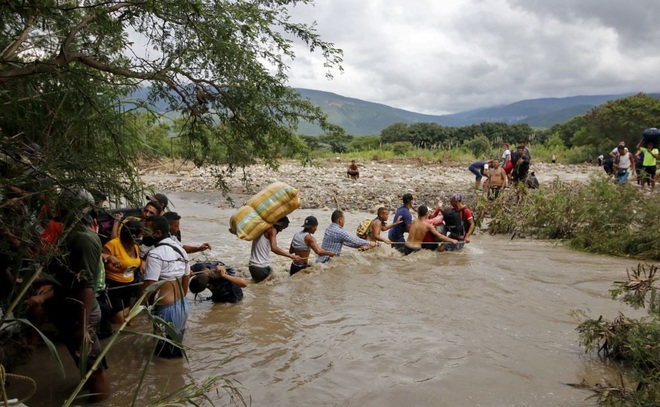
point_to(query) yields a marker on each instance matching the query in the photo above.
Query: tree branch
(10, 51)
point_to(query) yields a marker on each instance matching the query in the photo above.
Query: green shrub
(401, 147)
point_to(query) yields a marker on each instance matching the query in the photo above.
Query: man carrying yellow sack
(259, 265)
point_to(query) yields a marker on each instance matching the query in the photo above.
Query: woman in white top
(624, 164)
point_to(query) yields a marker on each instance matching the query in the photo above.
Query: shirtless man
(497, 180)
(418, 229)
(303, 243)
(353, 170)
(379, 225)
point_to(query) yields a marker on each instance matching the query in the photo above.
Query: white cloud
(440, 57)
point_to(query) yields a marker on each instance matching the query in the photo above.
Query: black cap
(310, 221)
(407, 198)
(160, 198)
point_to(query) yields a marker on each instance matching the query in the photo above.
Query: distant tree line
(591, 134)
(588, 135)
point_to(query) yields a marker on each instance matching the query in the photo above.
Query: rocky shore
(325, 185)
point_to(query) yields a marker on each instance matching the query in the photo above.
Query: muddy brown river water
(487, 326)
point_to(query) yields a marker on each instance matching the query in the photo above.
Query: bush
(401, 147)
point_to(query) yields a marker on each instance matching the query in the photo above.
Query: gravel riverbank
(324, 185)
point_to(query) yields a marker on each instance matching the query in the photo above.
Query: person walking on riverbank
(649, 156)
(262, 246)
(478, 168)
(335, 237)
(521, 161)
(624, 164)
(303, 243)
(403, 213)
(497, 180)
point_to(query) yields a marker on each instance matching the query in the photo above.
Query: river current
(487, 326)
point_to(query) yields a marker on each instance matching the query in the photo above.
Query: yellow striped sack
(262, 210)
(275, 201)
(247, 224)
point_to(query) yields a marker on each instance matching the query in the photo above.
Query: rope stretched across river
(3, 393)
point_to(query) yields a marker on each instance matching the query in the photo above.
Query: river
(487, 326)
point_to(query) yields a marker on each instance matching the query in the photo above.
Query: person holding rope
(262, 246)
(167, 262)
(121, 257)
(335, 237)
(395, 234)
(303, 243)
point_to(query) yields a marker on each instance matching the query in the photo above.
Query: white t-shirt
(165, 263)
(505, 153)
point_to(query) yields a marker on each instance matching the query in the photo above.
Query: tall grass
(431, 155)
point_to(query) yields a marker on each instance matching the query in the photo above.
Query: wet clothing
(298, 244)
(168, 261)
(298, 241)
(259, 264)
(222, 290)
(334, 238)
(175, 314)
(260, 253)
(259, 274)
(409, 250)
(396, 233)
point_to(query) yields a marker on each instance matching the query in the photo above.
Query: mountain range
(359, 117)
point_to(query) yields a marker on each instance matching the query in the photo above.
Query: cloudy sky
(447, 56)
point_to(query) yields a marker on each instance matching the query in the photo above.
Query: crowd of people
(511, 169)
(621, 164)
(102, 266)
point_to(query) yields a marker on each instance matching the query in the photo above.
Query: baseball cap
(310, 221)
(162, 199)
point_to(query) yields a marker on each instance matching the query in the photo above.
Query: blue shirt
(396, 233)
(334, 238)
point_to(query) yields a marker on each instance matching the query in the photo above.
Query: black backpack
(453, 223)
(221, 289)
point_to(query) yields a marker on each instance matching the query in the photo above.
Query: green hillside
(359, 117)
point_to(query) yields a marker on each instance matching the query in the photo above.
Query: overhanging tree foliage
(222, 64)
(67, 69)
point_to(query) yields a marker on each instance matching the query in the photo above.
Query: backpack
(453, 223)
(363, 228)
(221, 289)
